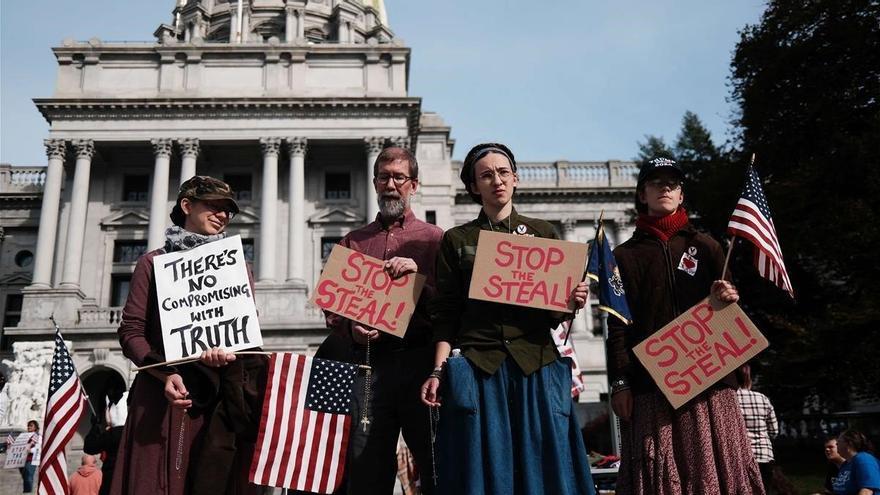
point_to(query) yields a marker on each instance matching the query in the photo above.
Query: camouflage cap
(203, 188)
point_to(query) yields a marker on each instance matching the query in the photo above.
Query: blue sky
(554, 79)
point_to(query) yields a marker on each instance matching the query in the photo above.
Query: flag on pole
(303, 435)
(751, 220)
(566, 350)
(65, 405)
(602, 267)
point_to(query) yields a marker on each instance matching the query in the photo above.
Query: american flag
(751, 219)
(64, 408)
(303, 434)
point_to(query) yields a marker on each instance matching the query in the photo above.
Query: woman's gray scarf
(179, 239)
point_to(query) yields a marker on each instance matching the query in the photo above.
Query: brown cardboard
(699, 348)
(357, 287)
(527, 271)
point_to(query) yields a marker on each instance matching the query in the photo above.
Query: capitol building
(290, 102)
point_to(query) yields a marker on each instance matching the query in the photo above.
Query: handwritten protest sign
(16, 453)
(357, 287)
(205, 299)
(527, 271)
(699, 348)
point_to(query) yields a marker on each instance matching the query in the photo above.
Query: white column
(189, 152)
(374, 147)
(296, 215)
(579, 324)
(159, 193)
(268, 209)
(79, 205)
(55, 150)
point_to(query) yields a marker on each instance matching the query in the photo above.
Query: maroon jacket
(159, 441)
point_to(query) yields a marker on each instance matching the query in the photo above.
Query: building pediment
(126, 218)
(20, 278)
(246, 216)
(335, 214)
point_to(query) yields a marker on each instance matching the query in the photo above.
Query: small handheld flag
(602, 267)
(65, 405)
(751, 220)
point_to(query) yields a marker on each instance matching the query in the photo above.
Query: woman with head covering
(190, 428)
(666, 268)
(507, 423)
(860, 474)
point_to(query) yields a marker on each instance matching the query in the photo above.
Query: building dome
(285, 21)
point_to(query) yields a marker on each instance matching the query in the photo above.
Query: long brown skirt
(700, 449)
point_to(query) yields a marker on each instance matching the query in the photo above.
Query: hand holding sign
(699, 348)
(360, 288)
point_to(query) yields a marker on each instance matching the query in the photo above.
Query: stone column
(45, 256)
(579, 323)
(159, 193)
(374, 147)
(79, 205)
(268, 209)
(293, 26)
(296, 215)
(189, 152)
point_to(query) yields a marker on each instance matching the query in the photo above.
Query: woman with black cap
(507, 423)
(190, 428)
(667, 267)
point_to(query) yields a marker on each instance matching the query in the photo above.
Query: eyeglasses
(217, 208)
(399, 179)
(488, 176)
(672, 184)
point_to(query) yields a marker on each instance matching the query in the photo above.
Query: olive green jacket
(488, 332)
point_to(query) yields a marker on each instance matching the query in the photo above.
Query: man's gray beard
(391, 208)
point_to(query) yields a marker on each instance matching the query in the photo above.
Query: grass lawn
(804, 466)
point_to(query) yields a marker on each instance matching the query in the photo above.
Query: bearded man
(408, 245)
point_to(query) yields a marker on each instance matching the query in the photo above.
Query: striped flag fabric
(65, 405)
(304, 429)
(751, 219)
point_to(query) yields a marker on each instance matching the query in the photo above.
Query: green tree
(807, 82)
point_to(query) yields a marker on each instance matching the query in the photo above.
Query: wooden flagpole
(732, 240)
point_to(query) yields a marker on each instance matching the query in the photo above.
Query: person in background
(87, 478)
(666, 268)
(860, 474)
(835, 460)
(760, 422)
(33, 456)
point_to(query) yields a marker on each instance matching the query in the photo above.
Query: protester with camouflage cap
(176, 412)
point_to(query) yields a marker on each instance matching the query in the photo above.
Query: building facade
(289, 101)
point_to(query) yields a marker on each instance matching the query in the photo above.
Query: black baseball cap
(656, 165)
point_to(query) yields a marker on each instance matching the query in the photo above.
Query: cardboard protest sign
(357, 287)
(205, 300)
(699, 348)
(16, 453)
(527, 271)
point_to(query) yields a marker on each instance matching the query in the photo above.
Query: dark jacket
(488, 332)
(657, 291)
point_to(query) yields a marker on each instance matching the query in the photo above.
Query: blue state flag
(602, 267)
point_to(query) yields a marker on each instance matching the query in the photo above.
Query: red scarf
(663, 227)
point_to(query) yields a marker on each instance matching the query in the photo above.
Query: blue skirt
(510, 434)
